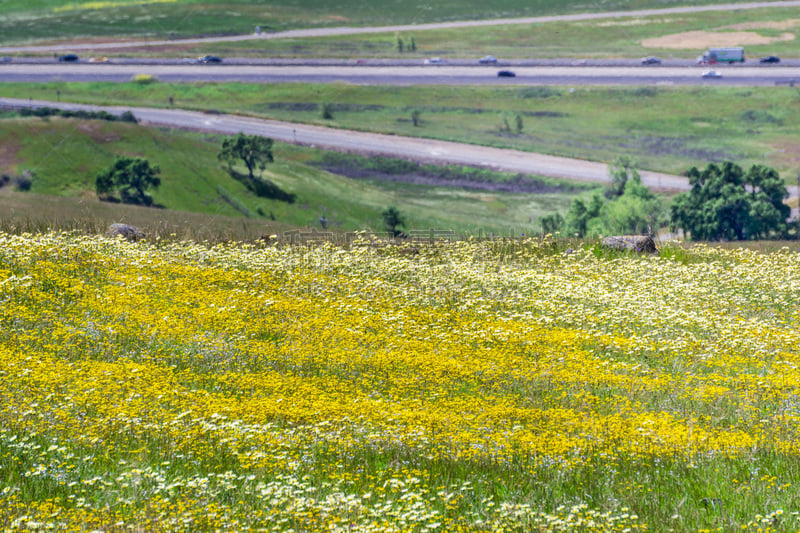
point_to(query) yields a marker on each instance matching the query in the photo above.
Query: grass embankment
(463, 387)
(761, 31)
(665, 129)
(44, 20)
(65, 156)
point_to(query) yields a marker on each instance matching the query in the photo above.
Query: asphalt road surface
(422, 150)
(738, 75)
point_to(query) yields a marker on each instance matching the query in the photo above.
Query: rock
(631, 243)
(131, 233)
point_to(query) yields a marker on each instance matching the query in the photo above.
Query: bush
(24, 181)
(127, 116)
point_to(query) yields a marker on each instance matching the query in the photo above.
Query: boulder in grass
(631, 243)
(131, 233)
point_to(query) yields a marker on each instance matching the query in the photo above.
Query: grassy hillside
(627, 37)
(66, 155)
(667, 129)
(38, 20)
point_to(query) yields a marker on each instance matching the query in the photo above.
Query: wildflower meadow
(464, 386)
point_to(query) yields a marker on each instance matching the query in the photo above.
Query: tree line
(725, 202)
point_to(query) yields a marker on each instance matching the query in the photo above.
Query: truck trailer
(734, 54)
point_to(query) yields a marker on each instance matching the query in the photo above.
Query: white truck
(733, 54)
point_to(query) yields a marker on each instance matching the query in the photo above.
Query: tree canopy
(393, 221)
(130, 178)
(253, 150)
(727, 203)
(628, 207)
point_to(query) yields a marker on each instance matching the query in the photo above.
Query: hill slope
(65, 155)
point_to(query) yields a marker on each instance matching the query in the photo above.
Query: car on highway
(98, 60)
(712, 74)
(68, 58)
(506, 74)
(435, 61)
(5, 59)
(209, 59)
(487, 60)
(770, 59)
(651, 60)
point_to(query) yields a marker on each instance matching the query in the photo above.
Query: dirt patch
(764, 25)
(705, 39)
(97, 132)
(8, 156)
(337, 18)
(518, 184)
(787, 155)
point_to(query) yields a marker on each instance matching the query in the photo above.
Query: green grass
(585, 39)
(665, 129)
(66, 155)
(62, 19)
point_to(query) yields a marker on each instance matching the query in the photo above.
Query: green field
(665, 129)
(624, 37)
(66, 155)
(44, 20)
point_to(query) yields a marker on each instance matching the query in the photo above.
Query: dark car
(69, 58)
(770, 59)
(505, 74)
(209, 59)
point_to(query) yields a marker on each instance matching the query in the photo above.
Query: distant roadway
(417, 149)
(403, 74)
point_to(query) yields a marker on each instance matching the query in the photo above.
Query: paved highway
(404, 75)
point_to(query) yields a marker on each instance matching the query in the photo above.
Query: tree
(727, 203)
(415, 114)
(255, 151)
(130, 178)
(392, 221)
(518, 123)
(580, 214)
(620, 171)
(636, 211)
(552, 223)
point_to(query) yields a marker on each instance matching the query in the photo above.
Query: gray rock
(131, 233)
(631, 243)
